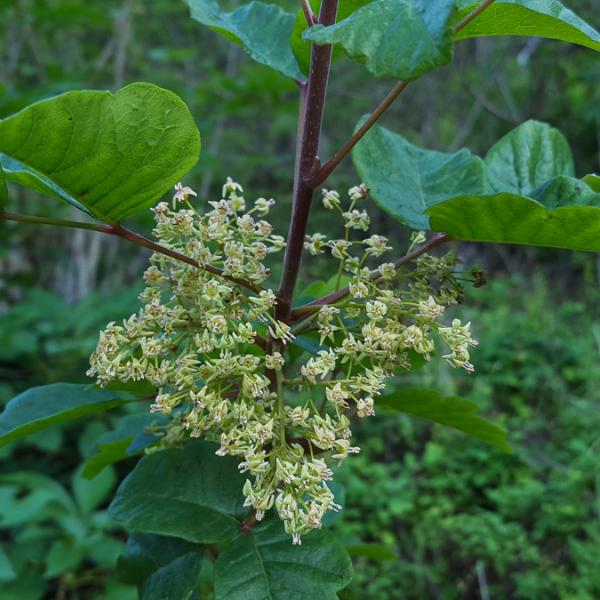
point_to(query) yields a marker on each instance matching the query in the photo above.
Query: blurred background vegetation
(458, 520)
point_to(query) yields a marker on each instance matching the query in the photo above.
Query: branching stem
(131, 236)
(306, 310)
(318, 177)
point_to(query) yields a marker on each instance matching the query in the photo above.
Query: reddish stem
(307, 162)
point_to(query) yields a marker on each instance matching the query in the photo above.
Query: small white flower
(331, 199)
(263, 206)
(358, 192)
(231, 187)
(182, 193)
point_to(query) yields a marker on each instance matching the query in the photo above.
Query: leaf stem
(306, 310)
(318, 177)
(131, 236)
(308, 13)
(325, 171)
(307, 161)
(473, 15)
(247, 525)
(280, 406)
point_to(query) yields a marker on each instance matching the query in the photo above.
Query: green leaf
(263, 30)
(523, 192)
(301, 47)
(186, 492)
(394, 38)
(454, 412)
(511, 219)
(265, 564)
(112, 155)
(593, 181)
(89, 495)
(404, 180)
(7, 571)
(114, 446)
(526, 158)
(161, 567)
(27, 497)
(42, 407)
(372, 551)
(533, 197)
(63, 556)
(536, 18)
(20, 174)
(3, 189)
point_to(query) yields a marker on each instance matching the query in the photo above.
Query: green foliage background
(456, 518)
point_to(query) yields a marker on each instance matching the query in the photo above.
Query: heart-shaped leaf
(457, 413)
(191, 493)
(523, 192)
(263, 30)
(265, 564)
(394, 38)
(112, 155)
(532, 197)
(41, 407)
(537, 18)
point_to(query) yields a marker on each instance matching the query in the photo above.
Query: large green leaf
(457, 413)
(188, 493)
(161, 567)
(191, 493)
(405, 180)
(512, 219)
(44, 406)
(263, 30)
(537, 18)
(394, 38)
(264, 564)
(532, 197)
(523, 192)
(111, 154)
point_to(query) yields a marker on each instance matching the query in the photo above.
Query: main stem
(307, 162)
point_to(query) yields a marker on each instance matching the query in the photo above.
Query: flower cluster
(207, 338)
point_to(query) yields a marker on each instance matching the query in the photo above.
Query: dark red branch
(303, 311)
(132, 236)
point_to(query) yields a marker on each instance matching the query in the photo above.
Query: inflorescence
(223, 364)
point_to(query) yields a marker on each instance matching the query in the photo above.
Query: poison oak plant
(252, 388)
